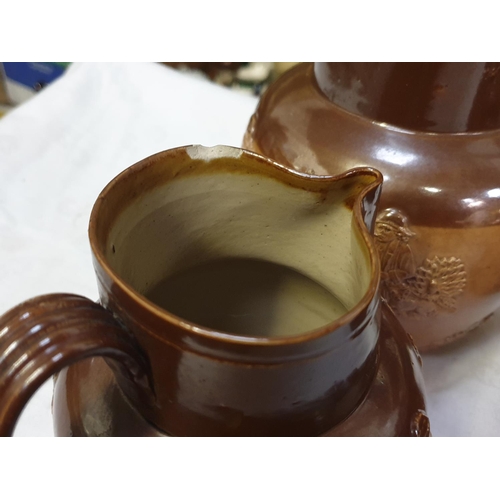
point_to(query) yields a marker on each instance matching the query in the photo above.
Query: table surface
(57, 152)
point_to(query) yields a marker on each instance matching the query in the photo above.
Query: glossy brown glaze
(395, 405)
(205, 382)
(439, 217)
(87, 399)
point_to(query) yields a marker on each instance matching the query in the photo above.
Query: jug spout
(363, 186)
(341, 226)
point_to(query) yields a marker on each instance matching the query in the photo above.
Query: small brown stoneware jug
(433, 130)
(237, 298)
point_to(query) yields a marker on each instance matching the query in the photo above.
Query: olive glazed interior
(202, 211)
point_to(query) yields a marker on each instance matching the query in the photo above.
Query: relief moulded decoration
(411, 290)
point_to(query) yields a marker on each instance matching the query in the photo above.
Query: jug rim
(325, 102)
(276, 170)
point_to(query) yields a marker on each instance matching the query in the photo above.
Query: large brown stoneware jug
(237, 298)
(433, 130)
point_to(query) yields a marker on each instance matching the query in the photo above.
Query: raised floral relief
(413, 290)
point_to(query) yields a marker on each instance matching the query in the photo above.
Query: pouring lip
(277, 171)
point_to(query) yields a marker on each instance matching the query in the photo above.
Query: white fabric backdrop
(58, 151)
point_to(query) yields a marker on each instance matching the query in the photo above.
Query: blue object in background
(34, 75)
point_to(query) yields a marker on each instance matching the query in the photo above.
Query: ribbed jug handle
(47, 333)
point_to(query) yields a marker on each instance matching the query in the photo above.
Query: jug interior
(247, 296)
(241, 252)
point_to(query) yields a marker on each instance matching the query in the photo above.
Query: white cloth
(57, 152)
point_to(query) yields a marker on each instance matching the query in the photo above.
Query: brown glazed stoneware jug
(237, 298)
(433, 130)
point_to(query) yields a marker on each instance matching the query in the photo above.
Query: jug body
(89, 403)
(433, 130)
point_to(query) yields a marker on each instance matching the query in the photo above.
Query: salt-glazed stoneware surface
(433, 130)
(130, 367)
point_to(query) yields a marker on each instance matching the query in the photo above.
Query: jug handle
(47, 333)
